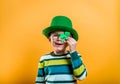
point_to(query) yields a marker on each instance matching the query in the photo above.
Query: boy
(61, 66)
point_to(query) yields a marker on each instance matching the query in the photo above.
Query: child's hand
(72, 44)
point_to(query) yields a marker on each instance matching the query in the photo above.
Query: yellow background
(22, 44)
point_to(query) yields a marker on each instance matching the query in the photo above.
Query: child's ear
(49, 38)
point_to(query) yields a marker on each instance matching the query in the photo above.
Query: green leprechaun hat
(60, 23)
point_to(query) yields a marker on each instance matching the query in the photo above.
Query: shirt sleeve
(40, 79)
(79, 69)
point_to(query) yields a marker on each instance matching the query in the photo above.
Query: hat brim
(51, 29)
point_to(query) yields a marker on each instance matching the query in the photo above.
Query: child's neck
(60, 52)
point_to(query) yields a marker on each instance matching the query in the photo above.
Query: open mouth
(59, 43)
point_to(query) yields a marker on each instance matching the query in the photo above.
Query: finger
(71, 40)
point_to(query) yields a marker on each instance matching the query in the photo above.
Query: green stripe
(82, 73)
(54, 59)
(79, 70)
(40, 65)
(57, 62)
(39, 82)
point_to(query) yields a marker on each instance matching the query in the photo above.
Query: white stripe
(79, 54)
(60, 78)
(46, 57)
(83, 76)
(60, 83)
(51, 57)
(40, 79)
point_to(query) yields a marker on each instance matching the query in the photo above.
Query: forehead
(58, 32)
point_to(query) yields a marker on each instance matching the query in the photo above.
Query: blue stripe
(74, 55)
(58, 69)
(40, 72)
(76, 63)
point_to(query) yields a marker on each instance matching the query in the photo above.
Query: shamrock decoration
(64, 36)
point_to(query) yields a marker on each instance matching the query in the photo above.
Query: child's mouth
(59, 43)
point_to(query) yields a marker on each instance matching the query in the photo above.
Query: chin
(59, 49)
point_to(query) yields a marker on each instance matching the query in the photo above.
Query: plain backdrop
(22, 43)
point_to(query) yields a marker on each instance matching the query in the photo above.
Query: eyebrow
(59, 33)
(55, 33)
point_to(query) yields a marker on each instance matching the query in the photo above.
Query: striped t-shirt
(61, 69)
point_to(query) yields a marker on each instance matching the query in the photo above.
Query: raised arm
(79, 69)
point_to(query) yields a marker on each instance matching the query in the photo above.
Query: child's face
(56, 42)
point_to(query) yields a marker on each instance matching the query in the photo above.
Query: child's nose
(59, 38)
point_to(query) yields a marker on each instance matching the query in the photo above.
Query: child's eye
(56, 35)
